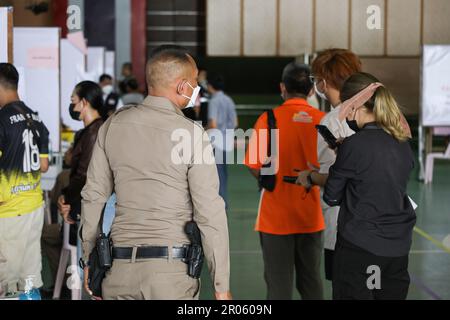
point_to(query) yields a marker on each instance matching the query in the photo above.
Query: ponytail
(383, 105)
(388, 115)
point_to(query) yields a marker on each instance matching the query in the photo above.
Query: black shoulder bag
(268, 182)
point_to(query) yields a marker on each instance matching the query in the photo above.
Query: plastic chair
(430, 163)
(68, 251)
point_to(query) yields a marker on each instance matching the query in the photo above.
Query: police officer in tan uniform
(161, 184)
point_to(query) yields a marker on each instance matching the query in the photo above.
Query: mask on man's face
(75, 115)
(107, 90)
(193, 98)
(319, 93)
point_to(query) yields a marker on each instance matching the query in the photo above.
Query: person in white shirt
(330, 69)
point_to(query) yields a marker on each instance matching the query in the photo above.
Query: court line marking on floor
(421, 285)
(427, 251)
(418, 282)
(431, 239)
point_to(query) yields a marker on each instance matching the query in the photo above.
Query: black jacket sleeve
(341, 172)
(79, 169)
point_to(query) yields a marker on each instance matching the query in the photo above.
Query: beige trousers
(20, 250)
(156, 279)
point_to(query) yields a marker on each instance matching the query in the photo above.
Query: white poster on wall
(4, 34)
(436, 86)
(36, 51)
(73, 61)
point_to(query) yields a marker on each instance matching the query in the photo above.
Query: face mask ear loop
(180, 90)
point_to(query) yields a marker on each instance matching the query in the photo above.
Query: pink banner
(43, 58)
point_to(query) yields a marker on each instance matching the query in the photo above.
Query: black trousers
(298, 254)
(354, 277)
(329, 258)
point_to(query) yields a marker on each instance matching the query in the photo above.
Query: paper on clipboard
(414, 205)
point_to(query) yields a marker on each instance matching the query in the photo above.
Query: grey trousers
(285, 255)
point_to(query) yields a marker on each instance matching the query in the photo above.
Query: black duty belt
(150, 253)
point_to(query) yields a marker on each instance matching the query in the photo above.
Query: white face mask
(193, 98)
(320, 94)
(108, 89)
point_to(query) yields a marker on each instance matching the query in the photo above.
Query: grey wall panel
(296, 27)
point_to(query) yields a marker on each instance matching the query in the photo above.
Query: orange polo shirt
(289, 209)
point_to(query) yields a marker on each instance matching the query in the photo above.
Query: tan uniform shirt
(156, 196)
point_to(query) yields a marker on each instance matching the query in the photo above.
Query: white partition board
(110, 63)
(37, 53)
(96, 62)
(4, 34)
(73, 64)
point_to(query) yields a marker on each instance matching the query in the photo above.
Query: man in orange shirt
(290, 219)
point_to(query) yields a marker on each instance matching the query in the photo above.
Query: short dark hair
(9, 77)
(132, 84)
(217, 81)
(104, 77)
(166, 61)
(296, 78)
(128, 65)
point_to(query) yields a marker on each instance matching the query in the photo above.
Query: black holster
(100, 261)
(195, 256)
(104, 249)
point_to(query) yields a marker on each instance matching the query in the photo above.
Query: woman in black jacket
(87, 106)
(369, 181)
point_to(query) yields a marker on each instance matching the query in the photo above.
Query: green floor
(429, 264)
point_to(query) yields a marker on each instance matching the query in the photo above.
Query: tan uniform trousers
(156, 279)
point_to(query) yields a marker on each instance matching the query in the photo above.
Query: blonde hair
(383, 105)
(388, 114)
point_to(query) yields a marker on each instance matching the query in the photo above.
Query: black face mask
(74, 114)
(353, 125)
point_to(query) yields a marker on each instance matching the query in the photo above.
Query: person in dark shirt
(87, 106)
(127, 73)
(369, 182)
(132, 94)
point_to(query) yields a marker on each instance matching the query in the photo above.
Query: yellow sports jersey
(23, 142)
